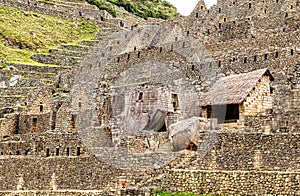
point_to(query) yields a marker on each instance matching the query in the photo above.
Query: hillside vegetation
(24, 33)
(141, 8)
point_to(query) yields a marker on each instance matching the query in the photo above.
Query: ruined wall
(9, 124)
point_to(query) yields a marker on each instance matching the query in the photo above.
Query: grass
(142, 8)
(24, 33)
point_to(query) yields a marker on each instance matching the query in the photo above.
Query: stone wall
(81, 173)
(238, 151)
(9, 124)
(232, 182)
(259, 99)
(43, 145)
(89, 12)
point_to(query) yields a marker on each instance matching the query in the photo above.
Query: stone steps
(68, 53)
(75, 48)
(18, 90)
(57, 59)
(90, 43)
(32, 82)
(39, 68)
(11, 99)
(67, 11)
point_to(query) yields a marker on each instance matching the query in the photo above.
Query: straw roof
(233, 89)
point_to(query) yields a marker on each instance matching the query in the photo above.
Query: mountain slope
(141, 8)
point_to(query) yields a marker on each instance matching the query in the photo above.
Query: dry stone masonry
(208, 103)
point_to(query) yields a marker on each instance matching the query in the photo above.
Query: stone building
(232, 98)
(36, 116)
(9, 122)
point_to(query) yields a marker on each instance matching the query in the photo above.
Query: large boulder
(185, 132)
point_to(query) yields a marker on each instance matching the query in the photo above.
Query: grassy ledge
(24, 33)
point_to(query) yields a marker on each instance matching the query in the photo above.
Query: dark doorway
(224, 113)
(34, 125)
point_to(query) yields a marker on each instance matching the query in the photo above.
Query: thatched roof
(233, 89)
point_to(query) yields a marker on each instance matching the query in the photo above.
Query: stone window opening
(193, 67)
(220, 63)
(220, 25)
(225, 19)
(26, 152)
(79, 104)
(192, 147)
(201, 7)
(47, 152)
(41, 107)
(78, 151)
(160, 49)
(57, 151)
(110, 48)
(272, 90)
(175, 101)
(128, 56)
(176, 39)
(286, 14)
(292, 52)
(118, 60)
(245, 59)
(250, 5)
(220, 10)
(277, 1)
(34, 125)
(208, 31)
(139, 54)
(134, 48)
(140, 98)
(172, 47)
(2, 153)
(73, 122)
(255, 58)
(18, 152)
(183, 45)
(291, 7)
(188, 33)
(68, 151)
(266, 56)
(197, 15)
(276, 54)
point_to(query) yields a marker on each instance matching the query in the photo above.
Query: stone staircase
(184, 160)
(19, 80)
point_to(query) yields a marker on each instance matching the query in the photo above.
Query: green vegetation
(141, 8)
(160, 192)
(24, 33)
